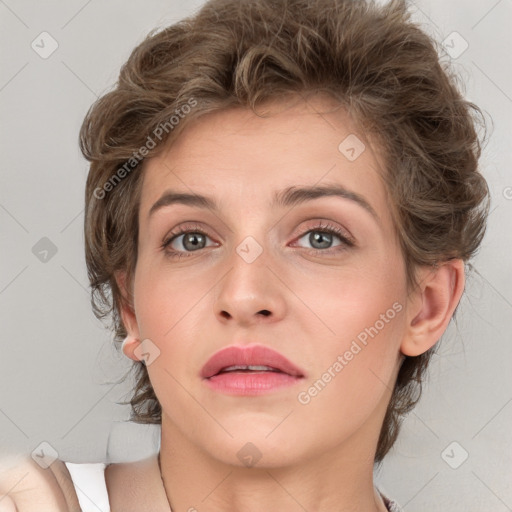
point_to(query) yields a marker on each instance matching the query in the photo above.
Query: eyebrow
(291, 196)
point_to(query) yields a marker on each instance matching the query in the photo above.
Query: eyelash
(325, 228)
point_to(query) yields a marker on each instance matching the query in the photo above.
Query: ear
(132, 340)
(432, 305)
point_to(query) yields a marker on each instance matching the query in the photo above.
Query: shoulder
(136, 486)
(125, 478)
(25, 486)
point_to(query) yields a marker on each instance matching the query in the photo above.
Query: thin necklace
(163, 483)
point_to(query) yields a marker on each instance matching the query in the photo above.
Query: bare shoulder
(124, 479)
(25, 486)
(136, 486)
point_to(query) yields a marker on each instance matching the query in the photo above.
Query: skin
(26, 486)
(316, 456)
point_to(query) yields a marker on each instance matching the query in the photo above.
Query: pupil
(324, 239)
(193, 241)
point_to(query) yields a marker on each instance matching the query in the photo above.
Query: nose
(250, 292)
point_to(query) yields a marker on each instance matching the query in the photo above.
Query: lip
(254, 355)
(250, 383)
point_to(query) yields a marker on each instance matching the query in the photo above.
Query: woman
(281, 200)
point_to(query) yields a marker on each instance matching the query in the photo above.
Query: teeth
(256, 368)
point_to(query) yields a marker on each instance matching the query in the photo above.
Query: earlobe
(130, 344)
(432, 306)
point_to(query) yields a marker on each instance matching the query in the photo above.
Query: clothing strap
(90, 486)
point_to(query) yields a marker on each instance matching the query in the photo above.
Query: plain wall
(58, 366)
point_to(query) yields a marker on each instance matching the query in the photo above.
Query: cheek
(171, 307)
(356, 377)
(166, 299)
(359, 324)
(345, 304)
(167, 304)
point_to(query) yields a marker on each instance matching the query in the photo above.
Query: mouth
(249, 370)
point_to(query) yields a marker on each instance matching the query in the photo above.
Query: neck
(339, 479)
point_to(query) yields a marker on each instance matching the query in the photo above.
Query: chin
(255, 448)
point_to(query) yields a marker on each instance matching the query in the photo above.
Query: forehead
(239, 156)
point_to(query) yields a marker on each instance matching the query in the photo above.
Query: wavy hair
(373, 59)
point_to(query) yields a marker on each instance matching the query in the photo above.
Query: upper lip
(249, 355)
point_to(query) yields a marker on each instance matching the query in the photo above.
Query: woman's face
(264, 267)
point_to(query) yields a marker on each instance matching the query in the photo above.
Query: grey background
(58, 367)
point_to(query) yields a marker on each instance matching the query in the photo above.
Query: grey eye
(320, 240)
(188, 242)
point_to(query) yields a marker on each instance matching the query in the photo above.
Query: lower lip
(246, 384)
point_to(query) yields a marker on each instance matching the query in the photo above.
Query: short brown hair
(373, 59)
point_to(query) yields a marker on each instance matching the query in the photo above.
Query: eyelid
(329, 226)
(182, 229)
(345, 237)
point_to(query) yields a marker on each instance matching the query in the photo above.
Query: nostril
(265, 312)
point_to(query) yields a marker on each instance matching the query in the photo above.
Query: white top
(91, 488)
